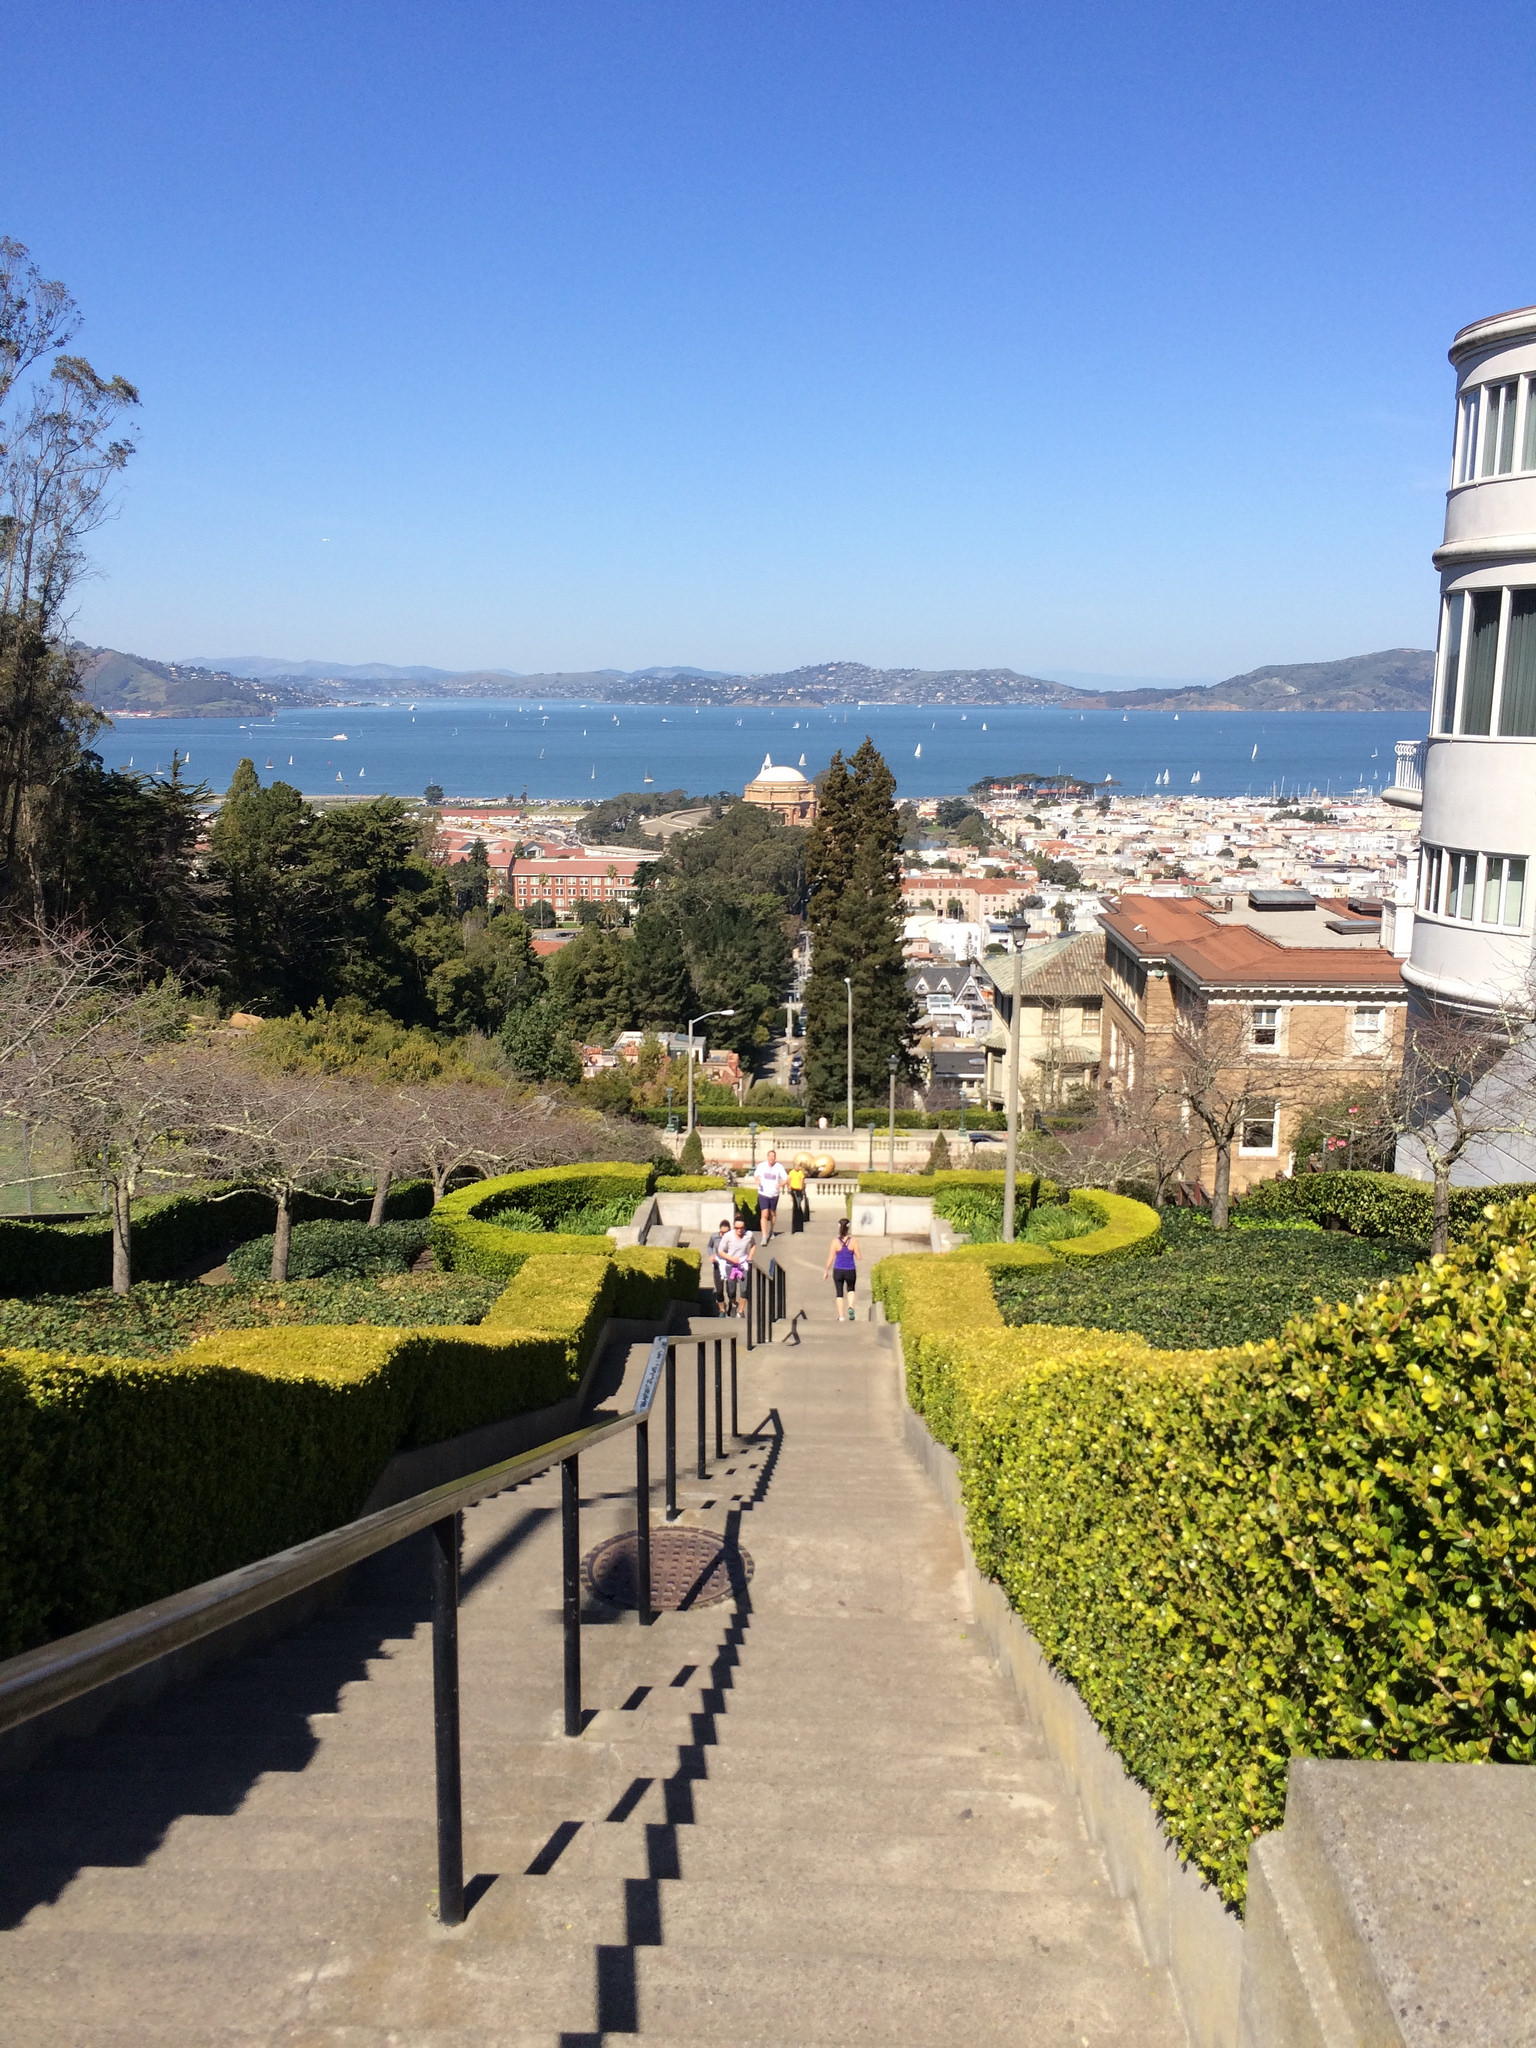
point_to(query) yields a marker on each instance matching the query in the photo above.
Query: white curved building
(1472, 926)
(784, 790)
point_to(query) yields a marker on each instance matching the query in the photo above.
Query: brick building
(1312, 1001)
(572, 879)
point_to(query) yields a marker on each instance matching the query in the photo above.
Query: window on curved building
(1498, 429)
(1466, 437)
(1504, 890)
(1517, 700)
(1450, 675)
(1482, 662)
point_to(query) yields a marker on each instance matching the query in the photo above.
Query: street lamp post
(848, 984)
(895, 1062)
(1017, 928)
(692, 1023)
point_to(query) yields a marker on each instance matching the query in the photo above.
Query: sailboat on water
(919, 754)
(648, 777)
(1196, 776)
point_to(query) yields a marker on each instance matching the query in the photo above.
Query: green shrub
(1371, 1204)
(688, 1183)
(169, 1231)
(1322, 1546)
(343, 1249)
(594, 1219)
(518, 1219)
(691, 1158)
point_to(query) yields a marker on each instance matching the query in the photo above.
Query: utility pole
(848, 984)
(1017, 928)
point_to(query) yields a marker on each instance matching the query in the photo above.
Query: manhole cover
(689, 1568)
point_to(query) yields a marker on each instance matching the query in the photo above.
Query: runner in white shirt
(771, 1180)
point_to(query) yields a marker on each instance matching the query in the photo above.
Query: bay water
(562, 750)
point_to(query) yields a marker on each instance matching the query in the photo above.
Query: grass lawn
(159, 1317)
(1208, 1288)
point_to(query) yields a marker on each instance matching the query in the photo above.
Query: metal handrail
(37, 1680)
(55, 1673)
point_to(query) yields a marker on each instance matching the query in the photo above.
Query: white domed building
(784, 790)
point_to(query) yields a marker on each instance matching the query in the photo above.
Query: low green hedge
(1030, 1188)
(168, 1232)
(1323, 1546)
(122, 1480)
(334, 1247)
(688, 1183)
(466, 1237)
(1372, 1204)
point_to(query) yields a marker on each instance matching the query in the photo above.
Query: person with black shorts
(843, 1268)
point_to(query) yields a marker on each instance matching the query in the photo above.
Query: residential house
(1312, 1002)
(1060, 996)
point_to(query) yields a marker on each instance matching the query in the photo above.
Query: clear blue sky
(1100, 337)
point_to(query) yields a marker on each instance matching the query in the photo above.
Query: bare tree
(287, 1134)
(58, 990)
(1227, 1081)
(1467, 1084)
(128, 1104)
(1142, 1132)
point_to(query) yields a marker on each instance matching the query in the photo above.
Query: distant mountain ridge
(1395, 679)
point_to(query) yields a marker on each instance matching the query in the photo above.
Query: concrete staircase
(809, 1815)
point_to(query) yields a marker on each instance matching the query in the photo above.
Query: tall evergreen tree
(853, 870)
(660, 987)
(258, 846)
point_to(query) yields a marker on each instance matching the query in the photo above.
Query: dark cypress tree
(853, 868)
(258, 845)
(661, 996)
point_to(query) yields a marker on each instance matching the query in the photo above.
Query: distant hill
(1400, 679)
(165, 689)
(1397, 679)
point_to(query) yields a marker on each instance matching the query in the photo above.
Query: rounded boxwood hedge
(467, 1238)
(1371, 1204)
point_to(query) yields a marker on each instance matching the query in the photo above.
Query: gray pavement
(813, 1814)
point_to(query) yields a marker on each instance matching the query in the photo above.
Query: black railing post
(570, 1532)
(751, 1283)
(703, 1418)
(445, 1717)
(719, 1401)
(735, 1417)
(671, 1432)
(643, 1523)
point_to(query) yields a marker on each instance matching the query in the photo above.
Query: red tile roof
(1181, 929)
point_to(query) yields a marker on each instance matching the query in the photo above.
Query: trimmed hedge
(1030, 1188)
(168, 1232)
(1372, 1204)
(466, 1238)
(123, 1480)
(1323, 1546)
(334, 1247)
(687, 1183)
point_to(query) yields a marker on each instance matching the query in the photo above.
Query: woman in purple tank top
(843, 1267)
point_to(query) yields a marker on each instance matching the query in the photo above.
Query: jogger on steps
(843, 1266)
